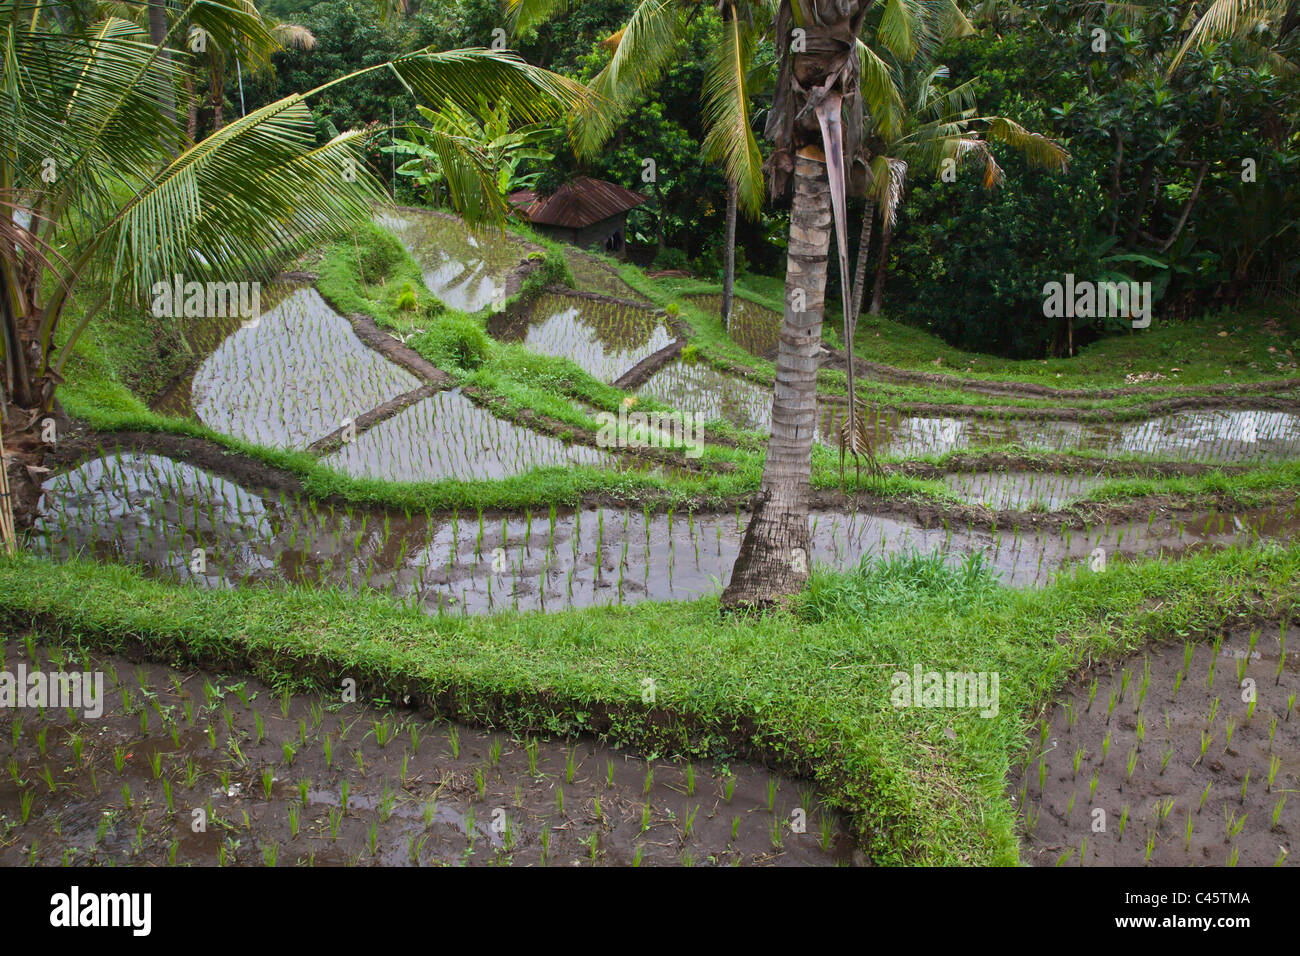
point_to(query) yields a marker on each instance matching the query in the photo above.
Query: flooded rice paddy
(754, 327)
(696, 387)
(592, 275)
(448, 436)
(466, 270)
(1162, 751)
(277, 779)
(293, 377)
(1020, 491)
(1221, 436)
(155, 512)
(603, 338)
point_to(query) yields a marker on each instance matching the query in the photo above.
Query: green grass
(1195, 348)
(806, 691)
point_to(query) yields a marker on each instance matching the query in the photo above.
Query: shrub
(378, 253)
(455, 342)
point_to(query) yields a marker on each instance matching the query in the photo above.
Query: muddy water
(755, 328)
(603, 338)
(464, 269)
(448, 436)
(1219, 435)
(1185, 772)
(289, 780)
(293, 377)
(1020, 491)
(155, 512)
(694, 387)
(1212, 436)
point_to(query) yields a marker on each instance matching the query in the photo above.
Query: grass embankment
(1247, 344)
(807, 691)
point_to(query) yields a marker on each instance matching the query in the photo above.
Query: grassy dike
(806, 691)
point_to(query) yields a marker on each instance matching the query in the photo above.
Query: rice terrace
(621, 433)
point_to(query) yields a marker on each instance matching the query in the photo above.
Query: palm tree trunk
(192, 117)
(775, 553)
(729, 258)
(157, 32)
(217, 81)
(860, 270)
(878, 292)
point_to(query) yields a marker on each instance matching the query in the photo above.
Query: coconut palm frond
(1230, 18)
(880, 92)
(239, 198)
(730, 138)
(1035, 147)
(903, 26)
(525, 15)
(889, 182)
(952, 23)
(293, 36)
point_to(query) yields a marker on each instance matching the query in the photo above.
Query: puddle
(154, 512)
(293, 377)
(1020, 491)
(289, 780)
(1214, 436)
(605, 339)
(466, 271)
(592, 275)
(695, 387)
(448, 436)
(755, 328)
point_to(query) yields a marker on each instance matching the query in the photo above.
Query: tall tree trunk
(218, 93)
(192, 117)
(157, 32)
(729, 258)
(864, 248)
(882, 266)
(28, 402)
(659, 218)
(775, 553)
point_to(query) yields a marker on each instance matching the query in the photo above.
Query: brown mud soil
(191, 767)
(1174, 767)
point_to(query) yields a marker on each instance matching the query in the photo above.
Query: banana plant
(500, 148)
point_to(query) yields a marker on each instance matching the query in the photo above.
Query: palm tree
(642, 48)
(938, 128)
(102, 192)
(815, 123)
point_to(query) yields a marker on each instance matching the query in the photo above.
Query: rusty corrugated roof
(577, 204)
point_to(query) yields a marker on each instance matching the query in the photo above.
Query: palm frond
(531, 94)
(1037, 149)
(1229, 18)
(641, 51)
(880, 92)
(525, 15)
(888, 184)
(729, 139)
